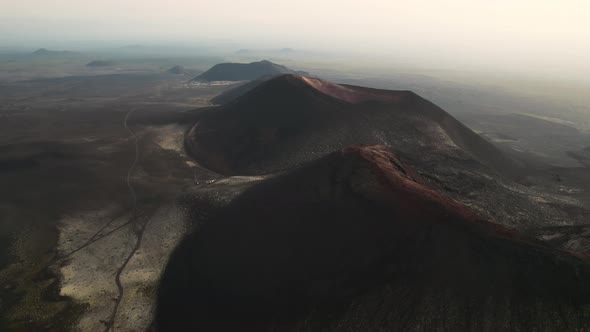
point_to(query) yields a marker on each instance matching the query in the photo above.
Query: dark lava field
(219, 197)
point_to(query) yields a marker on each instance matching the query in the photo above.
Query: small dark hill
(178, 70)
(288, 120)
(100, 63)
(244, 71)
(357, 241)
(43, 51)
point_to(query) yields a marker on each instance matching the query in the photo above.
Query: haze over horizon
(524, 36)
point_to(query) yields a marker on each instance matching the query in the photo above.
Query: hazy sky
(536, 33)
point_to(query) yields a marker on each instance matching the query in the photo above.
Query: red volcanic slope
(291, 119)
(350, 94)
(340, 240)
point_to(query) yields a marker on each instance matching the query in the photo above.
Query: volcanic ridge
(290, 119)
(357, 240)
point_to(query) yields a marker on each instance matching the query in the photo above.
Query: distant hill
(359, 241)
(181, 70)
(178, 70)
(100, 63)
(245, 71)
(46, 52)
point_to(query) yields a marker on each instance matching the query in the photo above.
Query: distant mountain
(177, 70)
(359, 241)
(100, 63)
(180, 70)
(245, 71)
(46, 52)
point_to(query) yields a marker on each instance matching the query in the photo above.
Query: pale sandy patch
(89, 275)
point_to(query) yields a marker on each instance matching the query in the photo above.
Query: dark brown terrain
(358, 241)
(67, 146)
(290, 120)
(272, 222)
(263, 130)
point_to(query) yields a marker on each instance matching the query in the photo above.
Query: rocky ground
(70, 224)
(70, 258)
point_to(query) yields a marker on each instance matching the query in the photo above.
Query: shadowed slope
(291, 119)
(229, 95)
(356, 242)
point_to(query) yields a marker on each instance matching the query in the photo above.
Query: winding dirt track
(138, 228)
